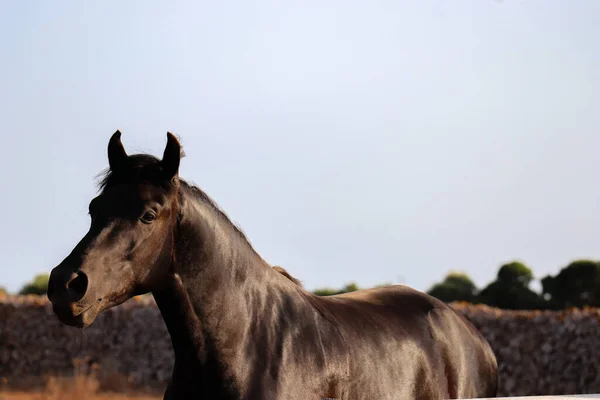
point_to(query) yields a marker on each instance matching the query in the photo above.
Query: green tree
(350, 287)
(511, 289)
(456, 286)
(39, 285)
(515, 273)
(576, 285)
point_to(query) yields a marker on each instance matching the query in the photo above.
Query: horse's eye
(148, 217)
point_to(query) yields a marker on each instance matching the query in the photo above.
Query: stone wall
(542, 352)
(129, 340)
(538, 352)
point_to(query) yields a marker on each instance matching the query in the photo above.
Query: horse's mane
(287, 275)
(145, 168)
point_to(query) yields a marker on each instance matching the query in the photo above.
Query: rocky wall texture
(538, 352)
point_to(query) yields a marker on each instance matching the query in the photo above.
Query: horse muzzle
(66, 291)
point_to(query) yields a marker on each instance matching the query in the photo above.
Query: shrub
(38, 286)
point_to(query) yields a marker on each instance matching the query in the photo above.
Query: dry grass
(84, 384)
(70, 396)
(75, 388)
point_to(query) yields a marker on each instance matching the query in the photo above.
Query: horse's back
(424, 349)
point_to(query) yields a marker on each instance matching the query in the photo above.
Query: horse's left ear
(117, 157)
(171, 156)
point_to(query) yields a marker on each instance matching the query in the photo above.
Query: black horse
(241, 329)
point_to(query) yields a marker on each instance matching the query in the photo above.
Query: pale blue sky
(367, 141)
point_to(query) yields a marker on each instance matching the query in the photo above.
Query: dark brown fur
(240, 331)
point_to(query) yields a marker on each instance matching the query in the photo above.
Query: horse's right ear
(116, 152)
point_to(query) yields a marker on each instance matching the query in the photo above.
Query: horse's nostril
(78, 285)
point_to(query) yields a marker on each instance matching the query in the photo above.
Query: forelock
(140, 168)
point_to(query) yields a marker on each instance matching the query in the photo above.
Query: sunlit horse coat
(241, 329)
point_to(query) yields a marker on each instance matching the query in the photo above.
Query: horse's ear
(116, 152)
(171, 156)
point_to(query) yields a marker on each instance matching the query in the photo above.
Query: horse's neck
(208, 302)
